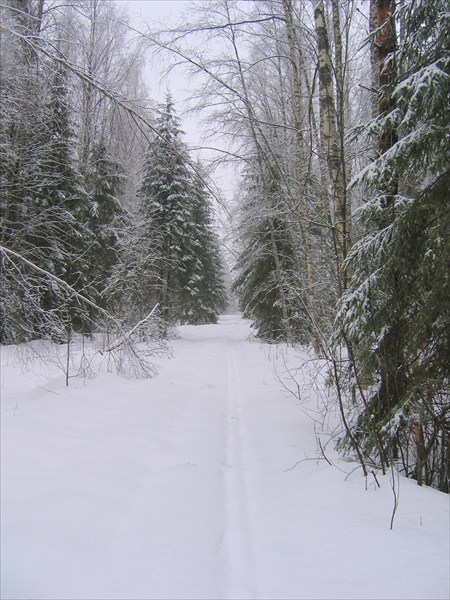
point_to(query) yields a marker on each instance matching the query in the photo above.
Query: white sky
(155, 13)
(157, 9)
(166, 13)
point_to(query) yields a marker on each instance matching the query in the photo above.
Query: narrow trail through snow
(238, 570)
(182, 487)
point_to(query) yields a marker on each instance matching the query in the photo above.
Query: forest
(333, 117)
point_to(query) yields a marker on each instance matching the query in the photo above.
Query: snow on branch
(68, 288)
(130, 359)
(127, 336)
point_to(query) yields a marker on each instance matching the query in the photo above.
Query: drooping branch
(55, 54)
(60, 282)
(126, 336)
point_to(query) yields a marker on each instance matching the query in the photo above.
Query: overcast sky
(167, 12)
(157, 9)
(155, 13)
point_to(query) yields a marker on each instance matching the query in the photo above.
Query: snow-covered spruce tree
(175, 212)
(202, 293)
(43, 217)
(23, 90)
(59, 233)
(267, 274)
(107, 218)
(395, 315)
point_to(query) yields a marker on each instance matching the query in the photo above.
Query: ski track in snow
(238, 570)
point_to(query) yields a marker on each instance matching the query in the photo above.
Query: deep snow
(185, 486)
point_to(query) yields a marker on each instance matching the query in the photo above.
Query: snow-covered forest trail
(182, 486)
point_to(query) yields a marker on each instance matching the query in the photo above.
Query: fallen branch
(134, 360)
(126, 336)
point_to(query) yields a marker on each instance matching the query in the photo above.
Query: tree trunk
(301, 160)
(331, 121)
(280, 283)
(385, 46)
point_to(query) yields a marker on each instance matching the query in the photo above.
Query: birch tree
(331, 86)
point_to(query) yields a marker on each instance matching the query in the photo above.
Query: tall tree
(395, 314)
(267, 279)
(301, 169)
(175, 214)
(104, 179)
(203, 296)
(44, 203)
(332, 131)
(58, 231)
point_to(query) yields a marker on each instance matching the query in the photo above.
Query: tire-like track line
(237, 549)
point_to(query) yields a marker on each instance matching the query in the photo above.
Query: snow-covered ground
(185, 486)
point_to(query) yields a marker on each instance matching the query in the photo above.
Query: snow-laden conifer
(396, 312)
(60, 233)
(107, 218)
(267, 278)
(176, 218)
(44, 204)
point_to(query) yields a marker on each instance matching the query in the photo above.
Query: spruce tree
(267, 279)
(202, 293)
(175, 217)
(395, 315)
(107, 218)
(60, 235)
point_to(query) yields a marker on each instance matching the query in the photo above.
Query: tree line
(89, 194)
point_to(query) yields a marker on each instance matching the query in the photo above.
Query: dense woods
(334, 116)
(78, 196)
